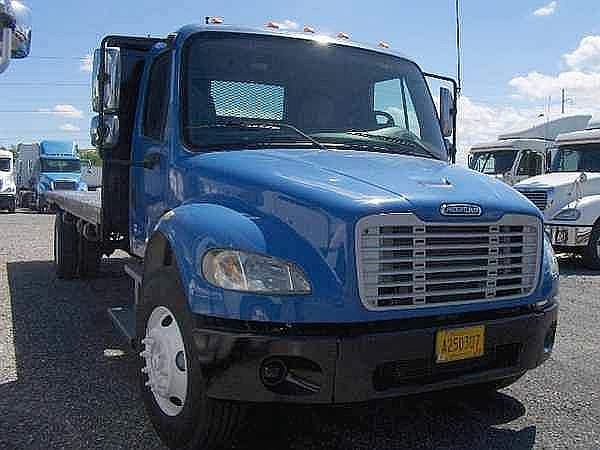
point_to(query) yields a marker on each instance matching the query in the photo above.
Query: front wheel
(171, 379)
(12, 206)
(591, 253)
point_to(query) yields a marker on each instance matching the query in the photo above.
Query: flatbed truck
(296, 232)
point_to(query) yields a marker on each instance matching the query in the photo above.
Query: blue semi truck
(44, 167)
(297, 233)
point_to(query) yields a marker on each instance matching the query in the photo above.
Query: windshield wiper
(399, 141)
(259, 126)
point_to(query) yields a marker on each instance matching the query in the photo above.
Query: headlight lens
(568, 214)
(249, 272)
(551, 256)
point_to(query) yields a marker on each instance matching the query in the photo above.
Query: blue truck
(296, 231)
(47, 166)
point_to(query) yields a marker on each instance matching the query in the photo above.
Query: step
(124, 320)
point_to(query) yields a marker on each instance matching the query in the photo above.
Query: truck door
(530, 165)
(150, 149)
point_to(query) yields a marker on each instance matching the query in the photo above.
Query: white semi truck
(517, 156)
(7, 181)
(569, 195)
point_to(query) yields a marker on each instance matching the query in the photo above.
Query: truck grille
(65, 185)
(404, 262)
(538, 198)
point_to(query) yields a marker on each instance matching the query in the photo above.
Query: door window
(157, 98)
(530, 164)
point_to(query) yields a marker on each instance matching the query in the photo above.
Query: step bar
(123, 317)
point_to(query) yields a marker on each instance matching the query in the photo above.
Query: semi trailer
(296, 231)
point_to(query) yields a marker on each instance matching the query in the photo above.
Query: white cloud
(546, 10)
(586, 56)
(69, 127)
(64, 111)
(86, 63)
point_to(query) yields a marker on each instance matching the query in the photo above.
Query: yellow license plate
(459, 343)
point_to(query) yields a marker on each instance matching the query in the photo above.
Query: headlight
(568, 214)
(249, 272)
(9, 188)
(554, 268)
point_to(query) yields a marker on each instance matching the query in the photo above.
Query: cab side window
(157, 98)
(530, 164)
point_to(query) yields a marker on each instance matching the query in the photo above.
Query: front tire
(12, 206)
(591, 253)
(184, 418)
(65, 248)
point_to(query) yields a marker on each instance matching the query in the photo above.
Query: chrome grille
(538, 198)
(404, 262)
(65, 185)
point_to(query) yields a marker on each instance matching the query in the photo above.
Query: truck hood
(556, 180)
(366, 182)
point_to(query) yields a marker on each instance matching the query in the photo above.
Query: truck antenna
(458, 49)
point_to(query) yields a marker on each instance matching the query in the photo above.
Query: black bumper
(7, 200)
(295, 365)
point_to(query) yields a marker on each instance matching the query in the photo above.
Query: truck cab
(7, 181)
(510, 160)
(298, 234)
(48, 166)
(569, 195)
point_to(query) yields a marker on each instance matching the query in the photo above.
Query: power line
(46, 83)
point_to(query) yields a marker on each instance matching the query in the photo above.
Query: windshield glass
(61, 165)
(339, 95)
(493, 163)
(5, 164)
(576, 158)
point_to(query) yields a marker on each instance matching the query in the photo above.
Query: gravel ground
(67, 380)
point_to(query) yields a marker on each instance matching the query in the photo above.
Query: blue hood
(362, 183)
(48, 177)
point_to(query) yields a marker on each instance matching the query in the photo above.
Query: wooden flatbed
(86, 205)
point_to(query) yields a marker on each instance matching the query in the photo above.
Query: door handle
(151, 160)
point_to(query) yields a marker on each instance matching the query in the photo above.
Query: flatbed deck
(86, 205)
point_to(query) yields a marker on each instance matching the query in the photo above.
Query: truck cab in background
(8, 194)
(511, 160)
(569, 195)
(47, 166)
(517, 156)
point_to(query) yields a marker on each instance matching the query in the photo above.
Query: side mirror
(21, 36)
(446, 112)
(111, 80)
(108, 132)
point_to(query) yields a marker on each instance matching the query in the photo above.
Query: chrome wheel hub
(165, 361)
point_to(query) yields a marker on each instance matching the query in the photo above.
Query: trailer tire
(65, 248)
(591, 253)
(90, 255)
(198, 422)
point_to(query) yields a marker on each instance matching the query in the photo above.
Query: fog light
(273, 372)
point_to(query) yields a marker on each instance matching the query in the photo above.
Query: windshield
(5, 164)
(336, 94)
(493, 163)
(576, 158)
(61, 165)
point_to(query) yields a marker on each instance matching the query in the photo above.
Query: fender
(192, 229)
(590, 211)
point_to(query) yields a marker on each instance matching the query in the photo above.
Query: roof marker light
(273, 25)
(215, 20)
(308, 29)
(383, 44)
(342, 35)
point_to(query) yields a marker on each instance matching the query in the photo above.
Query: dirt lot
(67, 380)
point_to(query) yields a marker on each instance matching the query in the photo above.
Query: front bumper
(336, 364)
(569, 235)
(7, 200)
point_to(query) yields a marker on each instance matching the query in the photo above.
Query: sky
(517, 54)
